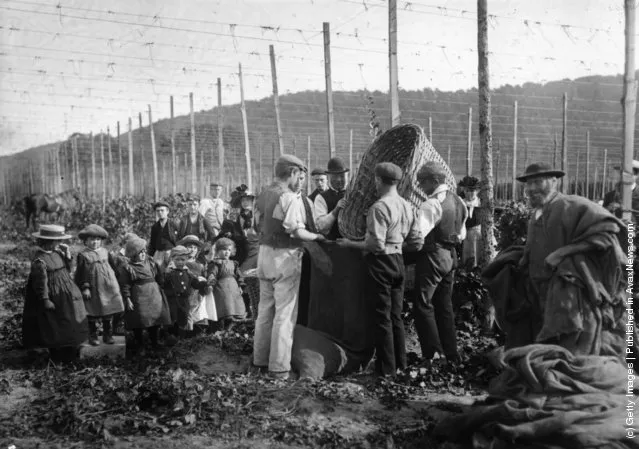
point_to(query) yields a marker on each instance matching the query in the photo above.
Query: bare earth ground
(198, 394)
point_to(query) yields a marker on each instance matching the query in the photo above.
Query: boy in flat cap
(443, 217)
(391, 224)
(164, 235)
(320, 178)
(284, 220)
(194, 223)
(329, 203)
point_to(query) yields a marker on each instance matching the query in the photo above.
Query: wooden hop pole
(156, 186)
(110, 180)
(173, 160)
(629, 109)
(120, 169)
(276, 101)
(469, 156)
(392, 56)
(130, 154)
(93, 183)
(143, 156)
(329, 89)
(103, 170)
(514, 167)
(564, 146)
(220, 133)
(193, 159)
(247, 149)
(588, 164)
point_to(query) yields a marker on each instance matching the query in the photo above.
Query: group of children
(196, 290)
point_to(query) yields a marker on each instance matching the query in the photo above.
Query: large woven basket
(403, 145)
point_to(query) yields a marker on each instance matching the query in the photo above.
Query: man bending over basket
(391, 222)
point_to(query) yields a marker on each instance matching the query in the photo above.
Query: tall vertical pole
(142, 156)
(392, 56)
(576, 191)
(555, 152)
(430, 129)
(102, 170)
(350, 150)
(469, 156)
(93, 184)
(587, 164)
(507, 167)
(276, 101)
(247, 149)
(186, 173)
(259, 166)
(156, 185)
(193, 157)
(110, 177)
(202, 186)
(448, 156)
(564, 146)
(130, 155)
(74, 181)
(77, 163)
(329, 89)
(120, 173)
(308, 161)
(486, 193)
(173, 160)
(514, 168)
(605, 172)
(497, 166)
(629, 108)
(220, 134)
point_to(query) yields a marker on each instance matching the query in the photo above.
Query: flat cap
(161, 204)
(180, 251)
(224, 243)
(134, 246)
(191, 240)
(431, 170)
(193, 197)
(318, 171)
(93, 230)
(288, 160)
(388, 170)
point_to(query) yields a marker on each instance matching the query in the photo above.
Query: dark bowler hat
(336, 166)
(538, 170)
(318, 171)
(288, 160)
(161, 204)
(93, 230)
(51, 232)
(388, 170)
(470, 183)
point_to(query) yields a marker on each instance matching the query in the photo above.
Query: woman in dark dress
(54, 315)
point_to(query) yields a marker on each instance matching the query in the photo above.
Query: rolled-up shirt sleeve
(376, 228)
(291, 211)
(430, 215)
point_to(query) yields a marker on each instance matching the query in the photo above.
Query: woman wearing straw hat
(54, 316)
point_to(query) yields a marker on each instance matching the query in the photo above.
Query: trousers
(385, 287)
(433, 307)
(279, 271)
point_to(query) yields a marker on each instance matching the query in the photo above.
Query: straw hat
(51, 232)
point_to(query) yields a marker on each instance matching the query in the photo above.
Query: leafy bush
(512, 225)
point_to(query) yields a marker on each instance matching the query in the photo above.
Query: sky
(82, 65)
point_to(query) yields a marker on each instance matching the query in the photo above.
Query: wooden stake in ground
(74, 180)
(469, 155)
(430, 129)
(247, 149)
(173, 160)
(308, 162)
(103, 170)
(156, 185)
(588, 164)
(329, 89)
(143, 175)
(564, 146)
(514, 171)
(120, 174)
(220, 134)
(110, 177)
(93, 184)
(193, 159)
(486, 193)
(130, 154)
(392, 56)
(448, 158)
(629, 109)
(605, 173)
(350, 150)
(276, 101)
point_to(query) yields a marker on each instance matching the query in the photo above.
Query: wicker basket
(403, 145)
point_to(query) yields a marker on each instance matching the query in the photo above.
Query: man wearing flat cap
(443, 223)
(329, 203)
(212, 208)
(571, 264)
(285, 220)
(164, 235)
(391, 224)
(320, 178)
(612, 200)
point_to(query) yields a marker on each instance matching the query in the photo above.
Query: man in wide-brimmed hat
(570, 265)
(164, 235)
(329, 203)
(612, 200)
(320, 178)
(443, 217)
(286, 222)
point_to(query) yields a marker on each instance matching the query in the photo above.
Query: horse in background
(51, 207)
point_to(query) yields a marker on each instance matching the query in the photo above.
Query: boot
(107, 331)
(154, 332)
(93, 333)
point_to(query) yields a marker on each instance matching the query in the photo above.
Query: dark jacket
(156, 236)
(201, 228)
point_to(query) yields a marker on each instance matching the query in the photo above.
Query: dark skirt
(150, 307)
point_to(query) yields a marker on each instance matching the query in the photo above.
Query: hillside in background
(593, 105)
